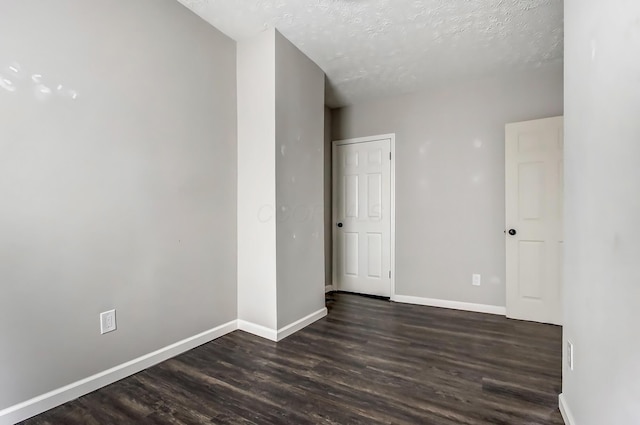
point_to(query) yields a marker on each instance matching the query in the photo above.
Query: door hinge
(389, 274)
(389, 156)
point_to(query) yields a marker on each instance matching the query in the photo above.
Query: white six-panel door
(534, 193)
(362, 217)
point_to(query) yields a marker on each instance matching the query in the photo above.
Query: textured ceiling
(373, 48)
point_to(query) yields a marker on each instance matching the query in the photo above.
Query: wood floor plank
(369, 361)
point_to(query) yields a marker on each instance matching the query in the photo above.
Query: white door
(362, 217)
(534, 192)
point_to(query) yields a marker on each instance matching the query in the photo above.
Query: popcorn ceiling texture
(374, 48)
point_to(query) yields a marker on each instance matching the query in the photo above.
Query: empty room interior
(320, 212)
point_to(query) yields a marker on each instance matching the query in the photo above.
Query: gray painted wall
(123, 198)
(299, 183)
(450, 177)
(328, 225)
(602, 211)
(257, 181)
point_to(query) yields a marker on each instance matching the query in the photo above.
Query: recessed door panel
(374, 248)
(374, 196)
(351, 159)
(375, 157)
(530, 269)
(351, 251)
(531, 190)
(529, 142)
(351, 196)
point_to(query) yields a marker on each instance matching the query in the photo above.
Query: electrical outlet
(570, 355)
(476, 279)
(108, 321)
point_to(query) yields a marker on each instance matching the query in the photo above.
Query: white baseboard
(282, 333)
(44, 402)
(258, 330)
(302, 323)
(565, 411)
(328, 288)
(456, 305)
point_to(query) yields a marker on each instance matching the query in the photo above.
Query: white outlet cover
(476, 280)
(107, 322)
(570, 355)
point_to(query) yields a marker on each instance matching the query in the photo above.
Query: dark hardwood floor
(369, 361)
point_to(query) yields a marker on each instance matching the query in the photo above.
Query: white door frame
(392, 138)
